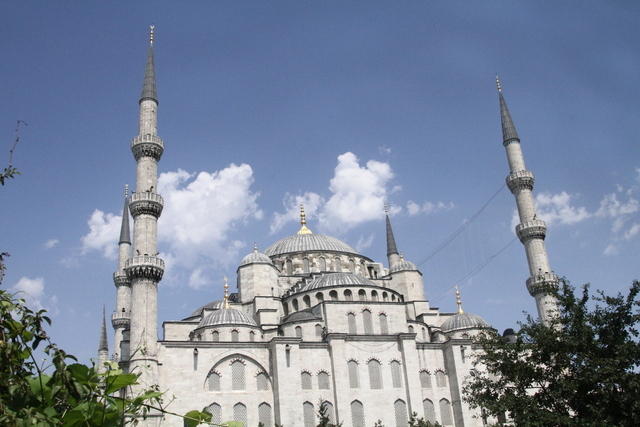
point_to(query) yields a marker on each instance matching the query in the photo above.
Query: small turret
(120, 319)
(392, 250)
(103, 346)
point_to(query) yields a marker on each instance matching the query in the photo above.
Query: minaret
(392, 250)
(459, 300)
(144, 268)
(103, 346)
(121, 315)
(531, 231)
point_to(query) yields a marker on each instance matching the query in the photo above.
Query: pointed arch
(425, 379)
(216, 412)
(396, 374)
(308, 414)
(305, 380)
(357, 414)
(429, 411)
(351, 323)
(323, 380)
(240, 413)
(384, 324)
(400, 410)
(264, 414)
(375, 374)
(354, 378)
(367, 322)
(445, 412)
(213, 381)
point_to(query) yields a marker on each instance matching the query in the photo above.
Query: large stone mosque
(312, 320)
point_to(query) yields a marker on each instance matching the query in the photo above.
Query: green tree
(324, 417)
(582, 369)
(414, 421)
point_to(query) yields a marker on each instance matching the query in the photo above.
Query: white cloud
(311, 201)
(632, 231)
(621, 208)
(32, 290)
(611, 249)
(383, 149)
(364, 242)
(103, 233)
(427, 208)
(611, 207)
(51, 243)
(556, 209)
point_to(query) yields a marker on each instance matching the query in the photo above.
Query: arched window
(357, 414)
(264, 414)
(305, 264)
(323, 381)
(305, 379)
(298, 330)
(213, 381)
(384, 325)
(425, 379)
(235, 335)
(322, 263)
(354, 379)
(252, 336)
(330, 413)
(351, 322)
(294, 303)
(333, 295)
(445, 412)
(410, 329)
(348, 295)
(396, 374)
(318, 330)
(240, 413)
(367, 322)
(307, 301)
(216, 412)
(385, 296)
(400, 409)
(336, 265)
(237, 375)
(286, 309)
(352, 266)
(375, 376)
(362, 295)
(429, 411)
(393, 297)
(441, 379)
(319, 297)
(289, 266)
(308, 414)
(262, 381)
(374, 296)
(215, 336)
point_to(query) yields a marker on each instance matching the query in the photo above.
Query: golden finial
(459, 300)
(151, 34)
(226, 292)
(255, 247)
(126, 191)
(498, 83)
(303, 221)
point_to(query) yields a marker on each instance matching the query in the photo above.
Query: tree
(324, 418)
(582, 369)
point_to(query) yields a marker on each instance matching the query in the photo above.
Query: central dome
(308, 243)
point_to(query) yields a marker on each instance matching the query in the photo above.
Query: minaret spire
(125, 235)
(459, 300)
(120, 319)
(149, 85)
(531, 231)
(392, 249)
(103, 346)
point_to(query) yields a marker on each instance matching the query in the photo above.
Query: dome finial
(255, 246)
(151, 34)
(459, 300)
(303, 221)
(226, 292)
(498, 83)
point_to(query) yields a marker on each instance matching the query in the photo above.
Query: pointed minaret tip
(151, 34)
(498, 83)
(226, 293)
(391, 240)
(149, 85)
(509, 132)
(125, 234)
(459, 300)
(103, 346)
(303, 222)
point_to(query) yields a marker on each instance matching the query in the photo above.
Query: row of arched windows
(309, 413)
(324, 265)
(306, 379)
(374, 370)
(215, 336)
(347, 295)
(240, 413)
(425, 379)
(238, 378)
(367, 323)
(400, 413)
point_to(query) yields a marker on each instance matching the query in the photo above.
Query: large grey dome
(255, 257)
(308, 243)
(335, 279)
(464, 321)
(226, 316)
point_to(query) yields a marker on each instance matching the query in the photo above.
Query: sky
(341, 105)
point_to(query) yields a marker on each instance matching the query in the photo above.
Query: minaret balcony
(542, 283)
(534, 229)
(520, 180)
(146, 202)
(120, 279)
(120, 319)
(147, 146)
(145, 267)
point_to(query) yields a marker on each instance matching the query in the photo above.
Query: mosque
(312, 320)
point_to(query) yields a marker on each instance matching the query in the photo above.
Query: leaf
(121, 381)
(193, 418)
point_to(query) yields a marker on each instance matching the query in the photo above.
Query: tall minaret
(531, 231)
(144, 268)
(392, 250)
(103, 346)
(121, 315)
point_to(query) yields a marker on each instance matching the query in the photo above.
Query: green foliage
(8, 173)
(583, 369)
(323, 415)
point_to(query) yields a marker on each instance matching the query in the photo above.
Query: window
(375, 376)
(240, 413)
(235, 335)
(330, 412)
(348, 295)
(357, 414)
(445, 412)
(215, 336)
(252, 336)
(351, 321)
(333, 295)
(396, 374)
(393, 297)
(305, 379)
(318, 330)
(429, 411)
(216, 412)
(425, 379)
(298, 332)
(367, 322)
(374, 296)
(213, 381)
(352, 266)
(384, 325)
(322, 263)
(294, 303)
(264, 414)
(336, 265)
(441, 379)
(286, 309)
(305, 264)
(362, 295)
(308, 414)
(410, 329)
(385, 296)
(262, 381)
(354, 380)
(237, 375)
(307, 301)
(319, 297)
(323, 381)
(289, 266)
(400, 409)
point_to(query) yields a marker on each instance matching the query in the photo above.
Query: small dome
(464, 321)
(255, 257)
(334, 279)
(213, 305)
(308, 243)
(227, 316)
(403, 265)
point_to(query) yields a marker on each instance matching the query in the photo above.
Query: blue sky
(339, 104)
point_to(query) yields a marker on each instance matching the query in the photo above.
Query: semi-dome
(464, 321)
(403, 265)
(255, 257)
(335, 279)
(226, 316)
(213, 305)
(308, 243)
